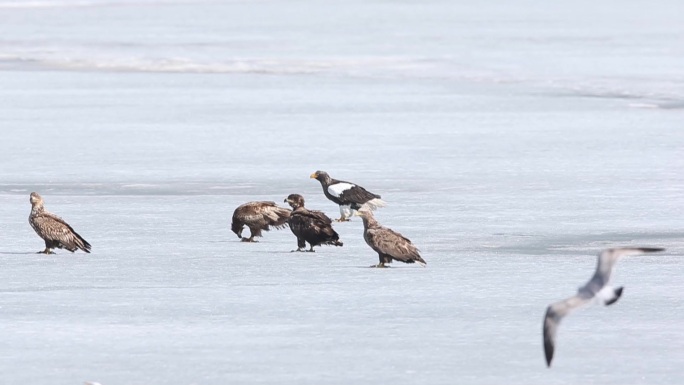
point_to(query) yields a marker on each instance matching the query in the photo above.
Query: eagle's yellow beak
(313, 176)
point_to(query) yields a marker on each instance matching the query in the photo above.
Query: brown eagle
(310, 225)
(54, 230)
(389, 244)
(349, 196)
(258, 216)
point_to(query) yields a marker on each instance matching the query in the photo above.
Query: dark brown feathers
(258, 216)
(310, 226)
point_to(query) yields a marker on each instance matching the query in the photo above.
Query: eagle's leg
(48, 248)
(301, 245)
(345, 213)
(252, 233)
(382, 262)
(311, 250)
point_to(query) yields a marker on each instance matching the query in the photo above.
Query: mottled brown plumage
(389, 244)
(310, 225)
(258, 216)
(54, 230)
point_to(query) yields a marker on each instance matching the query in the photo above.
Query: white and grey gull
(598, 287)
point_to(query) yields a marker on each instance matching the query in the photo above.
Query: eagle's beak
(285, 200)
(313, 176)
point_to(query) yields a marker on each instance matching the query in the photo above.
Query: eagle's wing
(388, 241)
(276, 216)
(349, 193)
(53, 228)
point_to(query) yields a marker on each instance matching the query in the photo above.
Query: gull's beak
(313, 176)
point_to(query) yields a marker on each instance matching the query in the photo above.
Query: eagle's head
(321, 176)
(295, 201)
(237, 228)
(363, 213)
(35, 199)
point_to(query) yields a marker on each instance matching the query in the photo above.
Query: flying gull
(597, 288)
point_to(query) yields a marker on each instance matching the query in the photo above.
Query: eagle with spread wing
(258, 216)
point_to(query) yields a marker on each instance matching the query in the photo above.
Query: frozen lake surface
(512, 143)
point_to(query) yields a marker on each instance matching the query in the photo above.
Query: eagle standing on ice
(258, 216)
(389, 244)
(310, 225)
(349, 196)
(55, 232)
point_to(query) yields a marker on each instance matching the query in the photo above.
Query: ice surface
(510, 140)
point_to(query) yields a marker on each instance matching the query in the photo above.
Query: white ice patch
(338, 188)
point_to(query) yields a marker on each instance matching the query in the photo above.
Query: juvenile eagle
(258, 216)
(387, 243)
(310, 225)
(55, 232)
(349, 196)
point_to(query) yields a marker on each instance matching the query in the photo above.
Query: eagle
(389, 244)
(310, 225)
(258, 216)
(54, 230)
(349, 196)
